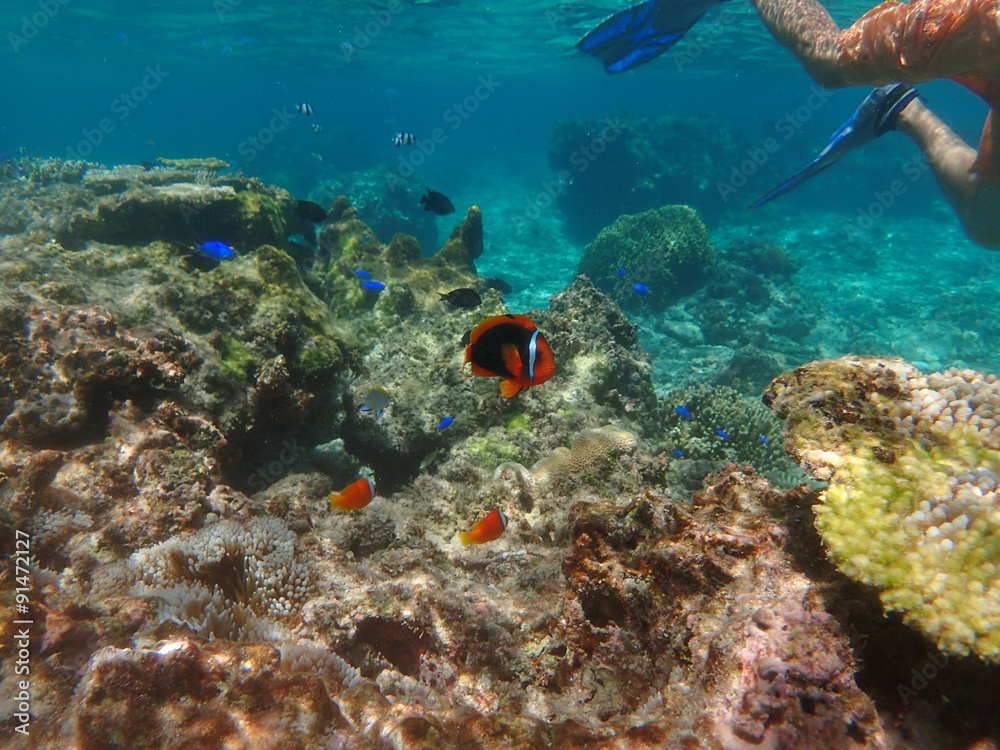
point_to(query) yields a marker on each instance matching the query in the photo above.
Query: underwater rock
(244, 215)
(913, 503)
(181, 693)
(385, 203)
(600, 357)
(666, 250)
(465, 243)
(64, 368)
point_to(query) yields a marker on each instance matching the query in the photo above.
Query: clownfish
(354, 496)
(510, 347)
(486, 530)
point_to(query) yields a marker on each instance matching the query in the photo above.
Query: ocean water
(114, 82)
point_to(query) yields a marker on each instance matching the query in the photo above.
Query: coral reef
(590, 446)
(717, 425)
(170, 438)
(665, 249)
(184, 694)
(912, 506)
(148, 206)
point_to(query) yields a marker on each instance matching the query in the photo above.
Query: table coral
(913, 506)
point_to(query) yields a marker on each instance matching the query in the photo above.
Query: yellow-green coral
(888, 524)
(913, 506)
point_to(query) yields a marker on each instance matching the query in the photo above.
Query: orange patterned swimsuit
(927, 40)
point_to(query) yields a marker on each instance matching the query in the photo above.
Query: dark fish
(403, 139)
(500, 285)
(304, 109)
(310, 211)
(437, 202)
(464, 297)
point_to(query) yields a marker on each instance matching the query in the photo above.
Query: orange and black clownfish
(488, 529)
(510, 347)
(354, 496)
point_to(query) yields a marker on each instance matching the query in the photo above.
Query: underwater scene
(501, 375)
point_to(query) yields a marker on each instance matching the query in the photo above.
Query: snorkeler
(910, 43)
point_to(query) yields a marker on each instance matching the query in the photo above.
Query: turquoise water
(116, 82)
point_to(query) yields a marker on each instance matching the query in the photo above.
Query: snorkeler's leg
(805, 29)
(975, 201)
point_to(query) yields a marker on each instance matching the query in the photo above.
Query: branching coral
(229, 580)
(913, 504)
(752, 435)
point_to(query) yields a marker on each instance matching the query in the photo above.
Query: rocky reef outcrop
(650, 258)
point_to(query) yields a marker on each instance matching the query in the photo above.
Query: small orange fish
(354, 496)
(488, 529)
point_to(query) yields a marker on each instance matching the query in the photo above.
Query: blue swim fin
(875, 117)
(639, 33)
